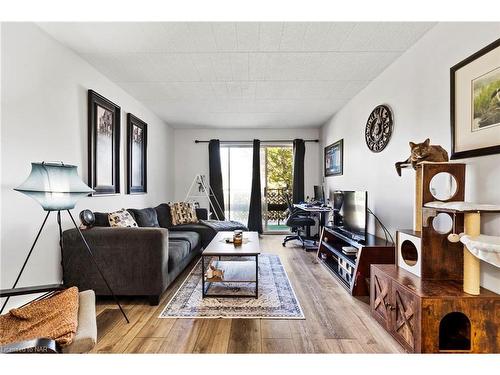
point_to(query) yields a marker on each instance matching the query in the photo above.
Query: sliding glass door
(276, 165)
(236, 163)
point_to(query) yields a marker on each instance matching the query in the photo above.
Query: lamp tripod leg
(27, 258)
(97, 265)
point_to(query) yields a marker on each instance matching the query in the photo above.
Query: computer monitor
(319, 196)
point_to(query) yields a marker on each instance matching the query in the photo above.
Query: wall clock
(378, 129)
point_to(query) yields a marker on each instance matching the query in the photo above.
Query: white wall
(192, 159)
(416, 87)
(44, 117)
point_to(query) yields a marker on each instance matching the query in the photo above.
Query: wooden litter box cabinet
(434, 316)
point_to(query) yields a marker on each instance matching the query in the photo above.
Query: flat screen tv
(350, 213)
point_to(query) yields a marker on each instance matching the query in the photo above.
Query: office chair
(296, 221)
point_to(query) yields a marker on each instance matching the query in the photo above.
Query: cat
(423, 152)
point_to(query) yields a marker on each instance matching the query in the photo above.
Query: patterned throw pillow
(183, 213)
(121, 218)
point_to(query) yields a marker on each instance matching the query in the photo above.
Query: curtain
(255, 211)
(215, 178)
(299, 152)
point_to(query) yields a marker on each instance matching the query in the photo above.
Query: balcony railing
(276, 204)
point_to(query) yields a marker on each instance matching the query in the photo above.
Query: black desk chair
(297, 220)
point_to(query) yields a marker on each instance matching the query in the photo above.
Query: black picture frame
(134, 124)
(489, 150)
(99, 105)
(333, 161)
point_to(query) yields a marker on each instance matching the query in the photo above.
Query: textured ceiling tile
(384, 36)
(225, 36)
(222, 66)
(270, 35)
(248, 89)
(239, 66)
(204, 66)
(288, 66)
(202, 37)
(351, 89)
(219, 89)
(293, 36)
(258, 66)
(247, 34)
(173, 37)
(174, 67)
(326, 36)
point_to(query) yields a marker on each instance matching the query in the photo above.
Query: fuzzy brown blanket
(55, 317)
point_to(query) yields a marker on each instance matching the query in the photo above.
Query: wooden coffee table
(235, 270)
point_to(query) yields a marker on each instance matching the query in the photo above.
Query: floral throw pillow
(183, 213)
(121, 218)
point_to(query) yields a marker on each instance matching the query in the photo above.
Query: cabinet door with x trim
(405, 319)
(380, 295)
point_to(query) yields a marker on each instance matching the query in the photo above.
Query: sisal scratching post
(472, 224)
(417, 222)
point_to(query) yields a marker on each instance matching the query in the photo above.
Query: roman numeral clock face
(378, 129)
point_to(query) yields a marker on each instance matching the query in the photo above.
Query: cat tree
(431, 301)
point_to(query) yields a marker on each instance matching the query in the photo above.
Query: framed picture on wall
(334, 159)
(103, 144)
(137, 137)
(475, 104)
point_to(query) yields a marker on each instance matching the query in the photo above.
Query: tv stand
(353, 270)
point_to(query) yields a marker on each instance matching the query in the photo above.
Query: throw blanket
(220, 226)
(55, 317)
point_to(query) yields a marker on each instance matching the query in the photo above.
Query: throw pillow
(183, 213)
(101, 219)
(164, 215)
(121, 218)
(145, 217)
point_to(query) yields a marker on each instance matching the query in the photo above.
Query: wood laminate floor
(335, 322)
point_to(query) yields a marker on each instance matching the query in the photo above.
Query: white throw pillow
(121, 218)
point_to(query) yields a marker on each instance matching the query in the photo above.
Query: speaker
(409, 255)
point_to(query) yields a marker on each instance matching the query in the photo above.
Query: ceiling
(240, 75)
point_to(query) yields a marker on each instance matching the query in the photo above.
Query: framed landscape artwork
(334, 159)
(475, 104)
(103, 144)
(137, 136)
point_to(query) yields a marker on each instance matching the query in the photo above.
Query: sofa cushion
(145, 217)
(204, 231)
(192, 237)
(178, 250)
(163, 215)
(183, 213)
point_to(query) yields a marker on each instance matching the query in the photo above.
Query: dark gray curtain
(215, 176)
(299, 152)
(255, 211)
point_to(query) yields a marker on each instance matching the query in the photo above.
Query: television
(350, 213)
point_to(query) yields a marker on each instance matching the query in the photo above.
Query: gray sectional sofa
(140, 261)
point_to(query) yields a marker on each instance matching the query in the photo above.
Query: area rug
(277, 300)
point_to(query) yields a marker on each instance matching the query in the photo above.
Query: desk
(318, 210)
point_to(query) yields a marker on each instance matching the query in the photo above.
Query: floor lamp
(57, 187)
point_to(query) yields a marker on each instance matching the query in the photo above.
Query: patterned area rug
(276, 300)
